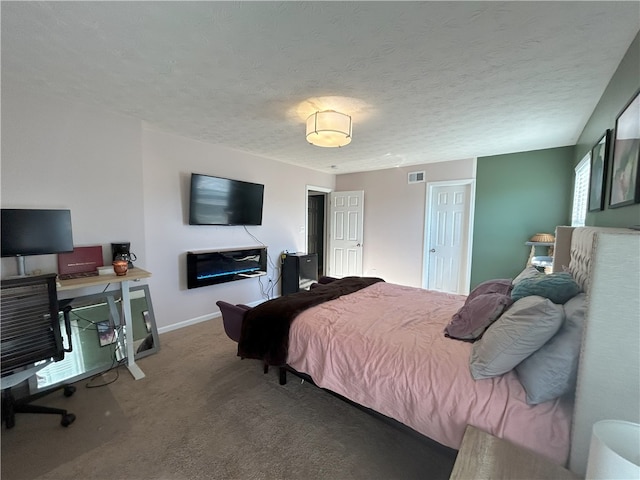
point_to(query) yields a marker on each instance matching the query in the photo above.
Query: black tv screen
(35, 232)
(222, 201)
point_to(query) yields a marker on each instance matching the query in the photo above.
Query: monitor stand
(22, 272)
(21, 267)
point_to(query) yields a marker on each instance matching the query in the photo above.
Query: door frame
(326, 191)
(466, 269)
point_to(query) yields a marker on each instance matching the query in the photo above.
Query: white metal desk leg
(126, 312)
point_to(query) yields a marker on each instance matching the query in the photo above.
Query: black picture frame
(599, 164)
(106, 333)
(625, 174)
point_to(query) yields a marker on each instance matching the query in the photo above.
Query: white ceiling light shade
(329, 129)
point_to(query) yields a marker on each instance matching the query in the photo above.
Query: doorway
(315, 228)
(317, 198)
(335, 231)
(448, 236)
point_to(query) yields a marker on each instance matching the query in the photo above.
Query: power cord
(267, 292)
(115, 347)
(115, 365)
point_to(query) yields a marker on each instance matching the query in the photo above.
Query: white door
(448, 239)
(345, 235)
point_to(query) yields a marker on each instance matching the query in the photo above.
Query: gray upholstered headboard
(574, 250)
(606, 262)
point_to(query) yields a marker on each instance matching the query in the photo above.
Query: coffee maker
(122, 251)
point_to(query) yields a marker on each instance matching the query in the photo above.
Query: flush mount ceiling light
(329, 129)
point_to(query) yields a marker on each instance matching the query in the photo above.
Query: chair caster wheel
(69, 390)
(67, 419)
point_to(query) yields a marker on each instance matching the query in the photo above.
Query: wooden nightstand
(483, 456)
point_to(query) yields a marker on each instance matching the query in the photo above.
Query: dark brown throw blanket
(265, 328)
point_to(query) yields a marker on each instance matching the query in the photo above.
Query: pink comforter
(383, 347)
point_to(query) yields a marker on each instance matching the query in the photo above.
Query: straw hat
(543, 238)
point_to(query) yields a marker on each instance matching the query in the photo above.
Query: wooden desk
(134, 274)
(483, 456)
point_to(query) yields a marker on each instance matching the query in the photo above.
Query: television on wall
(223, 201)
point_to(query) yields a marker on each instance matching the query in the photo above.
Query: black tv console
(219, 266)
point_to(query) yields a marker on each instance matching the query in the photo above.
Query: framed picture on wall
(599, 161)
(625, 175)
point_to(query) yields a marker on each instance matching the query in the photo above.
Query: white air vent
(416, 177)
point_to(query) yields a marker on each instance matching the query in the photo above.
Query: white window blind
(581, 191)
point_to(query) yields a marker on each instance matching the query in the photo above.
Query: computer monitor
(34, 232)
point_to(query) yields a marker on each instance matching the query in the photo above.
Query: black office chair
(30, 333)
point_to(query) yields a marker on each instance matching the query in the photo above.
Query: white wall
(394, 215)
(59, 155)
(125, 183)
(168, 162)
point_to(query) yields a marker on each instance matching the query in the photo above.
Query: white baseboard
(196, 320)
(186, 323)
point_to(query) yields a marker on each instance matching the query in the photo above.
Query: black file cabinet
(299, 271)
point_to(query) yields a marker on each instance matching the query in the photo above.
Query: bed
(383, 346)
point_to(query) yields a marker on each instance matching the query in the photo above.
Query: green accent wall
(517, 196)
(520, 194)
(621, 88)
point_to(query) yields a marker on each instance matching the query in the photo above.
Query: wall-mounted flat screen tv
(223, 201)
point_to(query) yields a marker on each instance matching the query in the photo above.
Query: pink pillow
(476, 315)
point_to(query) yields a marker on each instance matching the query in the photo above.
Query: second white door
(447, 237)
(346, 233)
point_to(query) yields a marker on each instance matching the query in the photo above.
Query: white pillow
(521, 330)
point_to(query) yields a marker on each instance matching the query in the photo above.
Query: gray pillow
(527, 325)
(552, 370)
(528, 272)
(557, 287)
(476, 315)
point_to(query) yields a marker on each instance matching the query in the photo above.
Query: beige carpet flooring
(202, 413)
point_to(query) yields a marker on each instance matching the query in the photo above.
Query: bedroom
(84, 154)
(124, 180)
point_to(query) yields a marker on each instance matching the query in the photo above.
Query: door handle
(433, 250)
(358, 245)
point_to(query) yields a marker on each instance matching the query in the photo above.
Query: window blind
(581, 191)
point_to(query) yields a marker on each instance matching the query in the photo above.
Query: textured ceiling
(424, 81)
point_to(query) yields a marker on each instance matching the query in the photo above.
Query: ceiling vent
(416, 177)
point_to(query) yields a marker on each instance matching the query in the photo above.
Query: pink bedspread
(384, 348)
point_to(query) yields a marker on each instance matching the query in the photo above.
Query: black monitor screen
(35, 232)
(222, 201)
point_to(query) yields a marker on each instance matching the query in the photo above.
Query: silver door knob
(433, 250)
